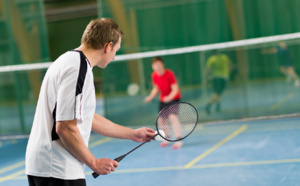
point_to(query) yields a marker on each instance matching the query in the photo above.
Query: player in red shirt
(165, 83)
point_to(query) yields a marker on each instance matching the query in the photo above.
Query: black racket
(177, 121)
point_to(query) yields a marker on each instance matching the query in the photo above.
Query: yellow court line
(99, 142)
(12, 167)
(94, 144)
(216, 165)
(237, 164)
(289, 96)
(9, 177)
(232, 135)
(153, 169)
(233, 164)
(199, 127)
(203, 166)
(92, 138)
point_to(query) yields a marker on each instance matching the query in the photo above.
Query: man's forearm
(73, 142)
(107, 128)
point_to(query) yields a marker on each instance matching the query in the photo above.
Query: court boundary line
(202, 166)
(12, 176)
(210, 150)
(22, 163)
(99, 142)
(11, 167)
(283, 100)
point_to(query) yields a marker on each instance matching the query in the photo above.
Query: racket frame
(118, 159)
(165, 108)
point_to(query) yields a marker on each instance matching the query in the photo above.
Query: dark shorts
(219, 85)
(43, 181)
(286, 63)
(162, 104)
(173, 111)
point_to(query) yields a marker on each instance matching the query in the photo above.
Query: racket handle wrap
(118, 159)
(95, 175)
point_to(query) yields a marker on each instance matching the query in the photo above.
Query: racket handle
(95, 175)
(118, 159)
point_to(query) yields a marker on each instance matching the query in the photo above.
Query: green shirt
(219, 65)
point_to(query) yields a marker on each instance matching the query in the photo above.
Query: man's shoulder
(69, 58)
(69, 55)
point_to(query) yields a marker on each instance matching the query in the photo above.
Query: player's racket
(177, 121)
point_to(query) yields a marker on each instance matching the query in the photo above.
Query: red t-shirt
(164, 83)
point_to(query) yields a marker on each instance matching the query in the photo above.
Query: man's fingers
(105, 173)
(113, 169)
(115, 164)
(150, 133)
(150, 130)
(106, 166)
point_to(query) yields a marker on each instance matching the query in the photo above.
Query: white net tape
(199, 48)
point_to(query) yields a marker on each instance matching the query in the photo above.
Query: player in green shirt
(218, 67)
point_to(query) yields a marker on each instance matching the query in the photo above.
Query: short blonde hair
(101, 31)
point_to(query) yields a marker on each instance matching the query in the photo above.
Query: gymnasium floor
(262, 152)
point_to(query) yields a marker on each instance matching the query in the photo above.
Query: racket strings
(177, 121)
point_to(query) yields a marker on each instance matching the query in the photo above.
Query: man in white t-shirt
(65, 114)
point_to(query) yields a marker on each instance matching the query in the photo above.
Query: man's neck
(91, 54)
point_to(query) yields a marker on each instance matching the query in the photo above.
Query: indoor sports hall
(247, 133)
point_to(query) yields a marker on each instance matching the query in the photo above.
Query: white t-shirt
(67, 93)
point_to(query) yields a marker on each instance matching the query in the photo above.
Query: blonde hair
(99, 32)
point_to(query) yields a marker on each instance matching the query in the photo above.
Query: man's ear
(108, 47)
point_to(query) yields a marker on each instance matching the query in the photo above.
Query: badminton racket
(173, 123)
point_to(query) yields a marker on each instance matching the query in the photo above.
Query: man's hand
(105, 166)
(143, 134)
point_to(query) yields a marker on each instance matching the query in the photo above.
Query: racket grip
(118, 159)
(95, 175)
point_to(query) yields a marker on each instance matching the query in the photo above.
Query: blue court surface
(261, 152)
